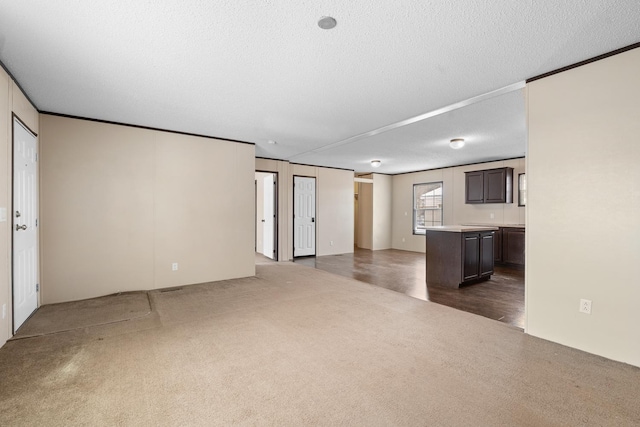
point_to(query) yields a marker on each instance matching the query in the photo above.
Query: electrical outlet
(174, 266)
(405, 214)
(403, 240)
(491, 215)
(331, 243)
(585, 306)
(4, 310)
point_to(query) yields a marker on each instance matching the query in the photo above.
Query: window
(427, 206)
(522, 189)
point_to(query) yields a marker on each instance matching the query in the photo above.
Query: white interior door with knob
(269, 217)
(304, 220)
(25, 223)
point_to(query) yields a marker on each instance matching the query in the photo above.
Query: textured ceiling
(263, 70)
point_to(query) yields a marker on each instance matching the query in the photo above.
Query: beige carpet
(298, 346)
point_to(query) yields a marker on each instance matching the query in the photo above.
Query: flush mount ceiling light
(272, 142)
(376, 163)
(327, 23)
(456, 143)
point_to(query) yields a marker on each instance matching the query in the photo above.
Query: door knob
(21, 227)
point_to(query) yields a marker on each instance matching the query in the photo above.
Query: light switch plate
(3, 214)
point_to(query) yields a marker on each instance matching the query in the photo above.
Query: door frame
(276, 210)
(293, 214)
(10, 215)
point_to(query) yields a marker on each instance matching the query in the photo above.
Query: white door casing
(25, 222)
(268, 228)
(304, 220)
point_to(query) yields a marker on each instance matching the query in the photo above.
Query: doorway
(363, 222)
(25, 223)
(304, 216)
(266, 240)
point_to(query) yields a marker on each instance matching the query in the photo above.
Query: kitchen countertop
(497, 225)
(461, 228)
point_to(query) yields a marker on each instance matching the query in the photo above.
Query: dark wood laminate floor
(500, 298)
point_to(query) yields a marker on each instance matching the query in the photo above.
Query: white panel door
(269, 216)
(25, 235)
(304, 220)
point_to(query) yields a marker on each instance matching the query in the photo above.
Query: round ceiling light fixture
(376, 163)
(456, 143)
(327, 23)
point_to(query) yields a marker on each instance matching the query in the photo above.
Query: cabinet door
(474, 187)
(486, 253)
(513, 245)
(471, 256)
(497, 246)
(494, 188)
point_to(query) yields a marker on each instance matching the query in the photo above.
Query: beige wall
(119, 205)
(5, 202)
(356, 189)
(454, 210)
(335, 211)
(382, 200)
(22, 108)
(374, 212)
(583, 214)
(12, 100)
(334, 206)
(365, 215)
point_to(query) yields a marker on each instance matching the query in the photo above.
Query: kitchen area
(427, 261)
(463, 256)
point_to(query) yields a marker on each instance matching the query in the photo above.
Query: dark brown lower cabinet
(510, 243)
(471, 258)
(486, 253)
(455, 259)
(478, 255)
(497, 246)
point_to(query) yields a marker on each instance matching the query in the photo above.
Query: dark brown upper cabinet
(474, 192)
(489, 186)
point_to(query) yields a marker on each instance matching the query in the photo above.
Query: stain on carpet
(67, 316)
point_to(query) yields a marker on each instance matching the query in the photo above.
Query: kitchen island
(459, 254)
